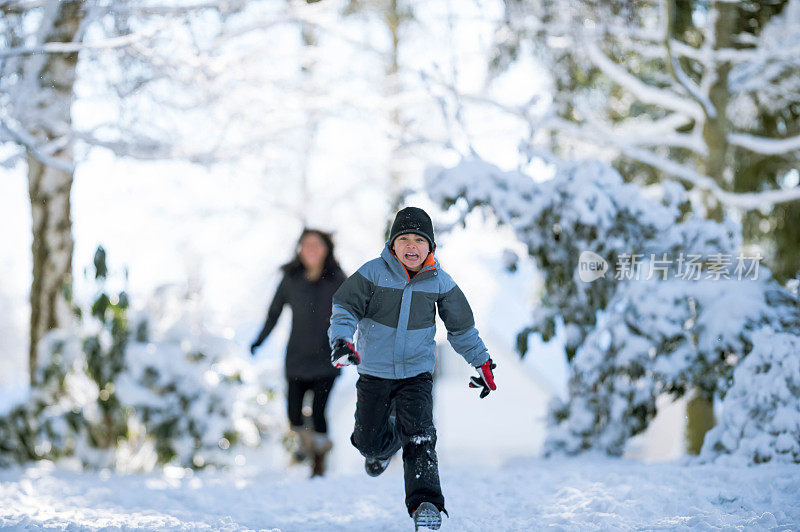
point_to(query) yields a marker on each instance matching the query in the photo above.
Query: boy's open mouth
(412, 257)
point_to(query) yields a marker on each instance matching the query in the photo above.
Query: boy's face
(412, 250)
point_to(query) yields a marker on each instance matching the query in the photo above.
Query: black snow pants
(395, 413)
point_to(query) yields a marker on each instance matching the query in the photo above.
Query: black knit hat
(412, 220)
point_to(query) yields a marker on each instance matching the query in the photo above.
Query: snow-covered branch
(667, 125)
(150, 150)
(159, 10)
(668, 140)
(763, 145)
(18, 6)
(675, 69)
(642, 91)
(743, 200)
(651, 41)
(658, 133)
(33, 147)
(70, 47)
(644, 136)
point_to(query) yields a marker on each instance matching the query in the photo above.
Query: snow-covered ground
(490, 474)
(526, 494)
(490, 478)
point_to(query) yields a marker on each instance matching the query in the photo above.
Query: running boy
(392, 301)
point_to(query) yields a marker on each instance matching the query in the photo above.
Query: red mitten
(344, 354)
(485, 378)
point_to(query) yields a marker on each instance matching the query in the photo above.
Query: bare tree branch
(30, 144)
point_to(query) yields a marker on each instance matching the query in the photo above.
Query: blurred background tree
(39, 75)
(178, 82)
(678, 89)
(704, 92)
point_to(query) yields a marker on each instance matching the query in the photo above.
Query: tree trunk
(52, 251)
(699, 420)
(699, 411)
(53, 77)
(715, 128)
(394, 19)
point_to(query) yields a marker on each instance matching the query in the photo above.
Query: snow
(589, 493)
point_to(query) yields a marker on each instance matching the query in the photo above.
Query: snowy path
(525, 494)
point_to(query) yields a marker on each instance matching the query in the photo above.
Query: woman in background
(309, 281)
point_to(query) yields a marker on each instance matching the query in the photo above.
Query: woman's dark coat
(308, 355)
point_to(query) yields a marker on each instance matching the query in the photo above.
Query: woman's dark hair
(329, 268)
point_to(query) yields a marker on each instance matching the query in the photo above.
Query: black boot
(375, 466)
(427, 515)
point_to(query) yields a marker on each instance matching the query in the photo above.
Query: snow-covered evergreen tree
(586, 207)
(760, 421)
(133, 392)
(49, 422)
(662, 336)
(192, 398)
(661, 327)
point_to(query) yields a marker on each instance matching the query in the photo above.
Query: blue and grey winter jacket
(395, 317)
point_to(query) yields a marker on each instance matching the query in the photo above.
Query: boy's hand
(344, 354)
(485, 378)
